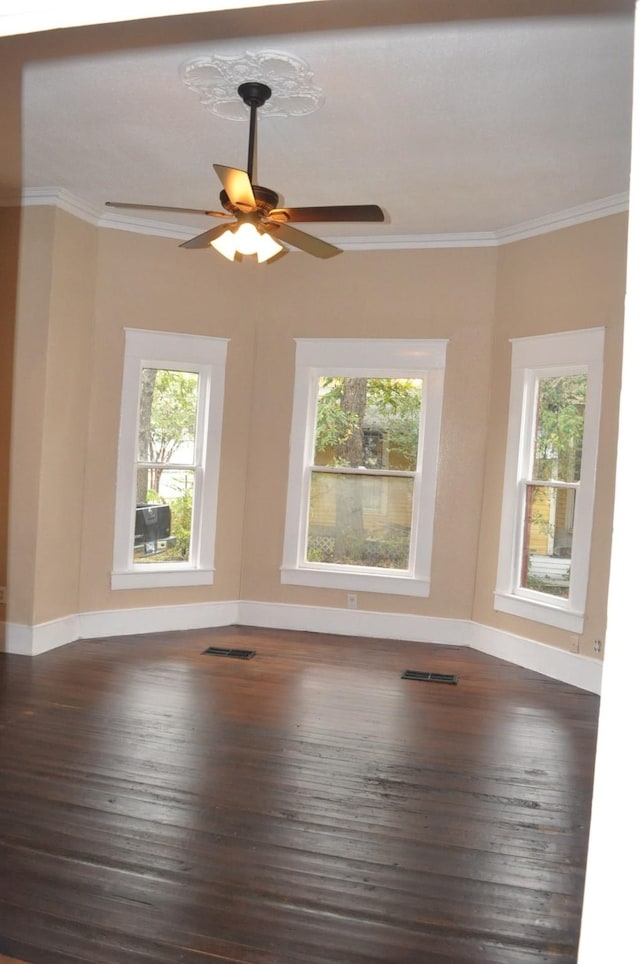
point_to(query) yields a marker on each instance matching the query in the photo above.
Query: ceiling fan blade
(335, 212)
(306, 242)
(203, 240)
(162, 207)
(237, 186)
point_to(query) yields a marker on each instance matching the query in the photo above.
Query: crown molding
(601, 208)
(138, 225)
(63, 199)
(478, 239)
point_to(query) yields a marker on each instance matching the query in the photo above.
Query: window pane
(167, 416)
(559, 428)
(163, 516)
(548, 535)
(370, 422)
(360, 520)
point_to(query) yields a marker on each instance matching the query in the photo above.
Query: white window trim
(375, 358)
(549, 355)
(207, 356)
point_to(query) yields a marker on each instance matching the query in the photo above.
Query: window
(549, 484)
(168, 458)
(363, 462)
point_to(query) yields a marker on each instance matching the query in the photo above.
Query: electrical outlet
(574, 644)
(352, 600)
(597, 645)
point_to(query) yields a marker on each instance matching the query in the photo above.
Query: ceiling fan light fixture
(268, 249)
(225, 245)
(246, 240)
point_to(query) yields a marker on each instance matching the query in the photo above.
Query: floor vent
(233, 653)
(429, 677)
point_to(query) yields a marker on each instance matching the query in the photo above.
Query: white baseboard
(351, 622)
(157, 619)
(581, 671)
(34, 640)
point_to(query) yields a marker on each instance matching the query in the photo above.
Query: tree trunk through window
(147, 388)
(349, 520)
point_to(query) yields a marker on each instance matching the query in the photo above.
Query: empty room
(317, 455)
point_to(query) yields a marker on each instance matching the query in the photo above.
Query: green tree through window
(370, 428)
(553, 483)
(165, 478)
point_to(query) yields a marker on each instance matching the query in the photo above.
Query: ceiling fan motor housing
(266, 199)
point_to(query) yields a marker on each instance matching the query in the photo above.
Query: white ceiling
(459, 129)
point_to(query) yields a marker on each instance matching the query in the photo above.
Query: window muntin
(549, 487)
(363, 464)
(168, 459)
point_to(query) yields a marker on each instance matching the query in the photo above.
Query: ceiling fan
(260, 224)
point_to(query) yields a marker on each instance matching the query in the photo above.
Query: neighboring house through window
(168, 459)
(362, 474)
(549, 483)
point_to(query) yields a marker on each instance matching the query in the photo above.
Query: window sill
(159, 578)
(354, 580)
(540, 612)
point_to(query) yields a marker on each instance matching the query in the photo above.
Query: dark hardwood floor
(304, 807)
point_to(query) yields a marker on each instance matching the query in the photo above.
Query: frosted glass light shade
(246, 240)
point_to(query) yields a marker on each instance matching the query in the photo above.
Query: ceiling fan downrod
(254, 95)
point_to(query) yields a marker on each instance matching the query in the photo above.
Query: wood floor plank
(306, 807)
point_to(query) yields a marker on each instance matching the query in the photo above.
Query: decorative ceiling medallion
(216, 80)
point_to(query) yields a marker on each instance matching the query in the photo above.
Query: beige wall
(52, 374)
(150, 283)
(400, 294)
(29, 377)
(566, 280)
(81, 286)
